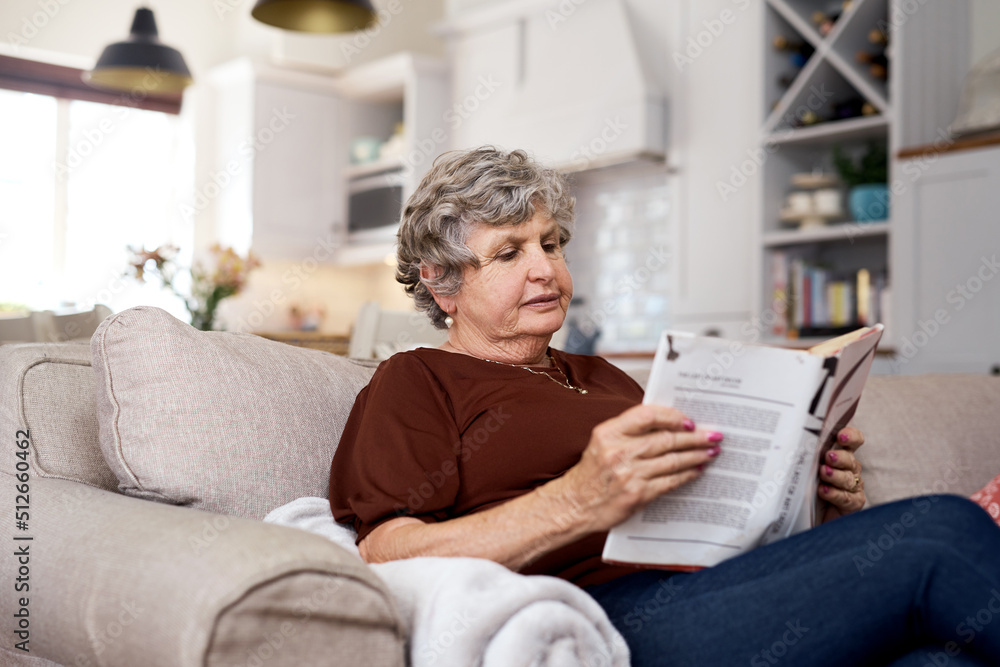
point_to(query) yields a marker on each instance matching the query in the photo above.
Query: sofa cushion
(227, 422)
(928, 434)
(48, 390)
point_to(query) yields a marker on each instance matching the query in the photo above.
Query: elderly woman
(497, 446)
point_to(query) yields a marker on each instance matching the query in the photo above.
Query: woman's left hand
(840, 482)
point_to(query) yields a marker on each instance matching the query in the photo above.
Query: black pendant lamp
(317, 16)
(140, 62)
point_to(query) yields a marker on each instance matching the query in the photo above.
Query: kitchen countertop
(983, 140)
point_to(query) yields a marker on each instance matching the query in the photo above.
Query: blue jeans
(913, 583)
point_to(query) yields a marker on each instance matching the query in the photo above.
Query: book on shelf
(822, 301)
(779, 294)
(779, 411)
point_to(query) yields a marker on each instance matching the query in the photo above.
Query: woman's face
(522, 287)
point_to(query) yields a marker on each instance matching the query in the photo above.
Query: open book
(779, 410)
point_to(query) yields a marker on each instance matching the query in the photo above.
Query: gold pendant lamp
(316, 16)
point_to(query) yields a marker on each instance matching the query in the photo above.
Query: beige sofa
(155, 452)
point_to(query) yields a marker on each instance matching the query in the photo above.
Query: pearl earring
(448, 321)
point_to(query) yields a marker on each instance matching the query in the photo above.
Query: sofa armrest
(120, 581)
(48, 388)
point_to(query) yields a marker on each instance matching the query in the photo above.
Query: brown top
(438, 435)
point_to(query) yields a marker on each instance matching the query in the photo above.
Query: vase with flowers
(225, 275)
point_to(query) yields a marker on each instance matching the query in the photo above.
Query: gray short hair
(463, 189)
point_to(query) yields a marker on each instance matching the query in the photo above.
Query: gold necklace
(567, 384)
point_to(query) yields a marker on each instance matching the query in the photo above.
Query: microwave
(374, 206)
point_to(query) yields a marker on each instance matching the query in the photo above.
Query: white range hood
(581, 97)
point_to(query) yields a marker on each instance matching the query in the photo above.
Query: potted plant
(867, 178)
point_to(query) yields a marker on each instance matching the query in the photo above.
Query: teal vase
(869, 202)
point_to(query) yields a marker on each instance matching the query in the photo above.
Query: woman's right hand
(646, 451)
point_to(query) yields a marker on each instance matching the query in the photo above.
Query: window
(81, 180)
(27, 190)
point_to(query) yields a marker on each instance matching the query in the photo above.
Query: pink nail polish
(825, 489)
(714, 451)
(714, 436)
(688, 425)
(833, 456)
(844, 437)
(828, 470)
(701, 467)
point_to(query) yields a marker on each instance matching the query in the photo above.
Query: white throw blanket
(462, 612)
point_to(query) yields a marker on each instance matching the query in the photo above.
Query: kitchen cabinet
(714, 125)
(406, 92)
(946, 259)
(272, 185)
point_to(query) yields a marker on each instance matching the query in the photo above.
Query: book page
(757, 397)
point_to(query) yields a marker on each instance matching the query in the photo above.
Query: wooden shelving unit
(913, 105)
(843, 232)
(829, 77)
(834, 131)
